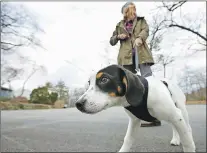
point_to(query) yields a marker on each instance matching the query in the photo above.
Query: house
(5, 92)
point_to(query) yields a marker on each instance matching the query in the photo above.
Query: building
(5, 92)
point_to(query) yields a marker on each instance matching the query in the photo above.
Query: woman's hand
(122, 36)
(138, 42)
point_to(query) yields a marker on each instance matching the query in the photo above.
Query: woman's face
(130, 12)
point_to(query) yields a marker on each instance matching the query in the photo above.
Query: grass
(11, 104)
(196, 102)
(19, 106)
(15, 105)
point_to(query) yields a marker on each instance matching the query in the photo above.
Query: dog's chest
(141, 111)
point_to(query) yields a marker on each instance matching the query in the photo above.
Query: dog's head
(108, 87)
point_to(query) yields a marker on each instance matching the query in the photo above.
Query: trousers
(145, 69)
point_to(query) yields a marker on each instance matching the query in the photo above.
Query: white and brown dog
(143, 99)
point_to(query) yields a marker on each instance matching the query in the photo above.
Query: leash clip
(138, 71)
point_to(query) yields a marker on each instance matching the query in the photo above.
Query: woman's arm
(145, 30)
(114, 38)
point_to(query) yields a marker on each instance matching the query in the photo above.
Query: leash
(136, 60)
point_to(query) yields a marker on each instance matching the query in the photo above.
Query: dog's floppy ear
(134, 87)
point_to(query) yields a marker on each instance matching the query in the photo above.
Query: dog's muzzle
(80, 104)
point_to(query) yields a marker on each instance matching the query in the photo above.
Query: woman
(132, 32)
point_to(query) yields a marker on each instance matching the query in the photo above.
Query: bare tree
(9, 74)
(183, 80)
(185, 23)
(155, 39)
(19, 29)
(165, 60)
(34, 70)
(193, 83)
(166, 19)
(173, 5)
(156, 32)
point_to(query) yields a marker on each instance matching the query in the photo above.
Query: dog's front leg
(133, 126)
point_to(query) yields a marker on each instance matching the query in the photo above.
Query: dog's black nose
(80, 104)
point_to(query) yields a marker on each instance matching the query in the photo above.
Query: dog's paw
(175, 142)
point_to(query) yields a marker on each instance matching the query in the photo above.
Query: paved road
(68, 130)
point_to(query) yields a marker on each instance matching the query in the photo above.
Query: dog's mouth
(89, 112)
(86, 111)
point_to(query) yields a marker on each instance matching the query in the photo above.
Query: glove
(138, 42)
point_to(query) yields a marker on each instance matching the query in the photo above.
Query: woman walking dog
(134, 53)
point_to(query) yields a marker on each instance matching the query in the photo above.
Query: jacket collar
(134, 23)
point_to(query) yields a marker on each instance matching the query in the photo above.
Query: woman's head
(129, 11)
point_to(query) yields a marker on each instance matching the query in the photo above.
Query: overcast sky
(80, 31)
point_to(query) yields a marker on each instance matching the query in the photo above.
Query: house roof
(6, 89)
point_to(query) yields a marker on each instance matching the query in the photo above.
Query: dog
(143, 99)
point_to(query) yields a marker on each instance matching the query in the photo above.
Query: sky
(79, 32)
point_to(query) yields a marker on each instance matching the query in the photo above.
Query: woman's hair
(129, 12)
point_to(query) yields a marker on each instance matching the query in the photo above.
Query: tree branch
(188, 29)
(174, 6)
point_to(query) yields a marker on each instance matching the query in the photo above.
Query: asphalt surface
(67, 130)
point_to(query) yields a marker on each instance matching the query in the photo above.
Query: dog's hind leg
(184, 131)
(176, 138)
(133, 126)
(181, 105)
(179, 99)
(185, 115)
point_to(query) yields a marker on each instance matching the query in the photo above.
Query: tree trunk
(23, 86)
(164, 71)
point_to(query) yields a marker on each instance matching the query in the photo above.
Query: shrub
(21, 106)
(40, 95)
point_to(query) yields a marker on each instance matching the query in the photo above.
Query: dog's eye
(104, 80)
(89, 82)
